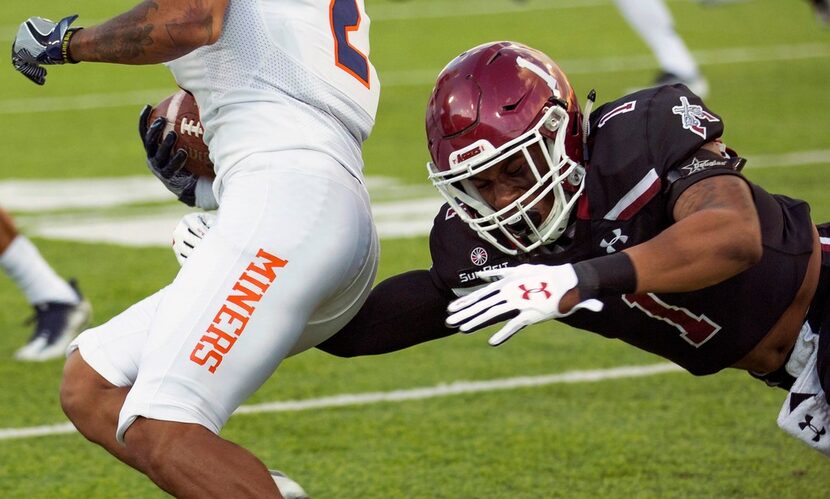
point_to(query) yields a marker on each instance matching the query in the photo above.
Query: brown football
(182, 116)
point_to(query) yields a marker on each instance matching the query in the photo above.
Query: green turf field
(661, 435)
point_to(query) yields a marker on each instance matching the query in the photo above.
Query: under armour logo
(618, 238)
(807, 423)
(191, 127)
(690, 116)
(543, 288)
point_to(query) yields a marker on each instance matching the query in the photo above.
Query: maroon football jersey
(643, 152)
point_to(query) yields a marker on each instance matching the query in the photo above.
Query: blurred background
(517, 422)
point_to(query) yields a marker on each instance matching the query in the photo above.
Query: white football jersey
(285, 74)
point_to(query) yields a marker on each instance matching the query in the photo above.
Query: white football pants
(289, 261)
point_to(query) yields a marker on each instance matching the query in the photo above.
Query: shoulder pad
(636, 140)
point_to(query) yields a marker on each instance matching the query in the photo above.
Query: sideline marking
(442, 390)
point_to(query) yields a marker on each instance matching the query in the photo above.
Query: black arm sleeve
(401, 311)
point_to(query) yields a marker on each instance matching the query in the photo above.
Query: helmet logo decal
(478, 256)
(690, 116)
(541, 73)
(474, 150)
(464, 156)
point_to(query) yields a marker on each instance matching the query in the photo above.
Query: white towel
(806, 413)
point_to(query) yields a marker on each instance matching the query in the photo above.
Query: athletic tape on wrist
(605, 276)
(65, 45)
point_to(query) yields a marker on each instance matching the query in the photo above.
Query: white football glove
(534, 291)
(189, 233)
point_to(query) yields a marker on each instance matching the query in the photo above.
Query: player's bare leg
(186, 460)
(92, 404)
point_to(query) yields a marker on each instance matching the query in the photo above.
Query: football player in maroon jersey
(633, 222)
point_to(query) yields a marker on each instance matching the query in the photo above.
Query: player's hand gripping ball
(182, 117)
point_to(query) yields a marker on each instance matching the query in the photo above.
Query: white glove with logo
(534, 291)
(189, 233)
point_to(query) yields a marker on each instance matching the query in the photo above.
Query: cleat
(698, 84)
(822, 10)
(56, 325)
(288, 487)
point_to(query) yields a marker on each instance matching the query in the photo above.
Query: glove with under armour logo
(189, 233)
(532, 291)
(40, 42)
(166, 165)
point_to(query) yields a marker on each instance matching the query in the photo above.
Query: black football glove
(167, 167)
(40, 42)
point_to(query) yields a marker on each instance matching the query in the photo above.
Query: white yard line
(796, 158)
(411, 11)
(420, 10)
(442, 390)
(400, 210)
(101, 192)
(439, 9)
(416, 77)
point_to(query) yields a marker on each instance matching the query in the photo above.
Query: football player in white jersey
(287, 96)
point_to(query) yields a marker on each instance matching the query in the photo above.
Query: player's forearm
(717, 236)
(152, 32)
(703, 250)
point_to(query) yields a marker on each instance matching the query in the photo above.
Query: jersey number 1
(695, 329)
(344, 16)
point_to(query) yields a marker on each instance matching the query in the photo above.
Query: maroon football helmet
(490, 103)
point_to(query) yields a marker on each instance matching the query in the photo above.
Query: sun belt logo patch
(478, 256)
(690, 116)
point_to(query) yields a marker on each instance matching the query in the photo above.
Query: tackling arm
(151, 32)
(716, 235)
(402, 311)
